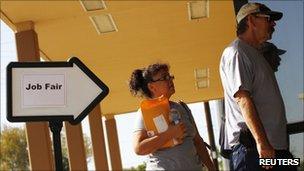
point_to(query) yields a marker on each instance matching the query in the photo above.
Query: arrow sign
(52, 91)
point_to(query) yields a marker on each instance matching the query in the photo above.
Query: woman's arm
(144, 145)
(202, 152)
(199, 143)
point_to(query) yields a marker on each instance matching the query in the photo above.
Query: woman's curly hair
(140, 78)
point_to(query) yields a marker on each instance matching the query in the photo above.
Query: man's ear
(251, 21)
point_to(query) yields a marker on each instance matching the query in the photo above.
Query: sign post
(56, 127)
(53, 92)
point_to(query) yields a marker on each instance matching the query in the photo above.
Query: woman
(190, 153)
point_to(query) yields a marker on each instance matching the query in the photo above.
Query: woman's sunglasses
(164, 78)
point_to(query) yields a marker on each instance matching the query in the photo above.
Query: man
(255, 113)
(271, 54)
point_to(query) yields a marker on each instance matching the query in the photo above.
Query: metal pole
(56, 127)
(210, 134)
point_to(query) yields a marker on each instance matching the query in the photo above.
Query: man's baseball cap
(267, 46)
(257, 8)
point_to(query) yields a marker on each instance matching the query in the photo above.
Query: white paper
(43, 90)
(160, 123)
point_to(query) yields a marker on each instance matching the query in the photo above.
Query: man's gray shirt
(242, 67)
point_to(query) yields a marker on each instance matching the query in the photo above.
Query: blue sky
(289, 36)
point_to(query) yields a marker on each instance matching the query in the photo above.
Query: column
(98, 141)
(113, 145)
(37, 133)
(211, 134)
(76, 150)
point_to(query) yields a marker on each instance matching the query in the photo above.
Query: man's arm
(254, 124)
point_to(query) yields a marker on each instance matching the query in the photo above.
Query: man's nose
(272, 23)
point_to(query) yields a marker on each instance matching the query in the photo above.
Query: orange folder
(155, 114)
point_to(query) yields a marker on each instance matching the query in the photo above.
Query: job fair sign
(52, 91)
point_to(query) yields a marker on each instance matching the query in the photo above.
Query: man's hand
(265, 150)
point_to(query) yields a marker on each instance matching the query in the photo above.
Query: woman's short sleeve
(139, 123)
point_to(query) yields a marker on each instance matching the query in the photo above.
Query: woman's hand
(203, 152)
(211, 167)
(143, 144)
(177, 132)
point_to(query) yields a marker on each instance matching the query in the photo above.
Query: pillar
(98, 141)
(37, 133)
(211, 134)
(76, 150)
(113, 145)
